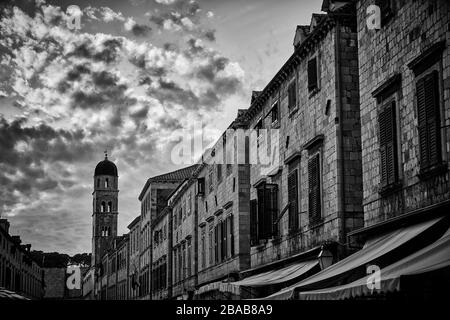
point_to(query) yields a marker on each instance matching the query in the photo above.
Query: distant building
(19, 272)
(153, 198)
(134, 254)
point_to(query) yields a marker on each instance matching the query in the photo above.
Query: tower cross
(106, 154)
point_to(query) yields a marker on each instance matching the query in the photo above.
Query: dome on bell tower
(106, 168)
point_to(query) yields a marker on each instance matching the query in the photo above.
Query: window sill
(433, 171)
(292, 111)
(389, 189)
(275, 125)
(276, 240)
(316, 223)
(313, 92)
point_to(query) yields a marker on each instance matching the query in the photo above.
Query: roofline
(159, 178)
(135, 220)
(19, 246)
(328, 21)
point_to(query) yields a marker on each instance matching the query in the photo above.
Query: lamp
(325, 258)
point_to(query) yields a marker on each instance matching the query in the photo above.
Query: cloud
(80, 92)
(166, 2)
(139, 30)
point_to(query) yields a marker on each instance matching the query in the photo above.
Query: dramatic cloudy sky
(130, 79)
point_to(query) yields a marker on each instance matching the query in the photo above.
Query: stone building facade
(19, 272)
(223, 190)
(161, 253)
(134, 254)
(184, 212)
(404, 71)
(153, 198)
(311, 194)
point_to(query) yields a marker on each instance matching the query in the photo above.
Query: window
(180, 264)
(267, 211)
(201, 186)
(211, 179)
(109, 206)
(223, 240)
(293, 200)
(274, 112)
(219, 173)
(231, 234)
(189, 204)
(312, 75)
(386, 10)
(98, 183)
(103, 207)
(189, 249)
(211, 244)
(388, 144)
(427, 92)
(106, 183)
(292, 95)
(314, 188)
(216, 244)
(184, 261)
(203, 247)
(254, 222)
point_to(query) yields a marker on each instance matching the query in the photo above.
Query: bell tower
(105, 208)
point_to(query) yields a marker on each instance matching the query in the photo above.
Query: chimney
(315, 20)
(255, 95)
(333, 5)
(301, 33)
(4, 224)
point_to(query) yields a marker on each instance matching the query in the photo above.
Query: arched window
(109, 206)
(98, 182)
(106, 183)
(103, 207)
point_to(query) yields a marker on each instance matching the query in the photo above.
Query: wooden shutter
(224, 239)
(314, 188)
(253, 222)
(216, 243)
(261, 216)
(292, 94)
(428, 120)
(274, 209)
(388, 145)
(293, 200)
(231, 235)
(312, 74)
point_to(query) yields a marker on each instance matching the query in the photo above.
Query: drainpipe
(340, 138)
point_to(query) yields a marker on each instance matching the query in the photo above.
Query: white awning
(375, 249)
(268, 278)
(433, 257)
(278, 276)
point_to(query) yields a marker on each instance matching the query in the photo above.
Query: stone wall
(414, 27)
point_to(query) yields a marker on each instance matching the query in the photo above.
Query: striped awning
(10, 295)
